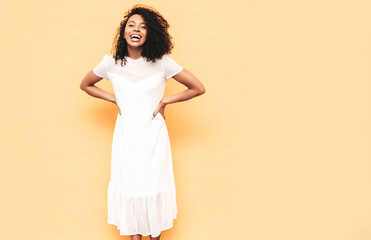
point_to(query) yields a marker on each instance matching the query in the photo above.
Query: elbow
(201, 91)
(82, 87)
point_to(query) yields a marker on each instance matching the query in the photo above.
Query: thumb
(154, 114)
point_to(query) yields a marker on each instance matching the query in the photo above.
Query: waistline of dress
(139, 109)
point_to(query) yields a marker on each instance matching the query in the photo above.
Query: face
(137, 27)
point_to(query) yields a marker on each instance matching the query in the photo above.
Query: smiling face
(135, 31)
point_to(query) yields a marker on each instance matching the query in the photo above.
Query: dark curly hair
(158, 42)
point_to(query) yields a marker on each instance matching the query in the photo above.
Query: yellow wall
(277, 148)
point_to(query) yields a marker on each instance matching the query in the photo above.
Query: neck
(134, 53)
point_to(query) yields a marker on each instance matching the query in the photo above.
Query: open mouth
(135, 37)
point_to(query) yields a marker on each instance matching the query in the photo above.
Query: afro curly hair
(158, 42)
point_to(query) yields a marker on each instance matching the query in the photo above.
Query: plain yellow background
(277, 148)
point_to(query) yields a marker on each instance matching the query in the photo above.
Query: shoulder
(168, 60)
(165, 56)
(111, 56)
(109, 59)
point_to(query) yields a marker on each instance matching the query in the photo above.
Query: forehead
(136, 18)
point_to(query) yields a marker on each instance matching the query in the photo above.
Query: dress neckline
(134, 60)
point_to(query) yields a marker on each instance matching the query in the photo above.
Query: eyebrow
(134, 22)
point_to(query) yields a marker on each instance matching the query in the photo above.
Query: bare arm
(195, 88)
(88, 86)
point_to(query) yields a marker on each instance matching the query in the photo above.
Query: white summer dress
(141, 191)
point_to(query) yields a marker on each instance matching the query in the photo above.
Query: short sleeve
(101, 69)
(170, 67)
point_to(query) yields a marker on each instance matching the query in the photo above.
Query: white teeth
(134, 35)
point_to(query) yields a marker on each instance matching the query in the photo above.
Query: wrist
(113, 100)
(164, 102)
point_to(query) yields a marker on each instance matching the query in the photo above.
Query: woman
(141, 191)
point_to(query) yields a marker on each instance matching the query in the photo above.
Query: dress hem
(143, 234)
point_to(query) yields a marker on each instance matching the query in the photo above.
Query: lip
(134, 40)
(135, 34)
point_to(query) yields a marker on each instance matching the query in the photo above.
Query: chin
(136, 45)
